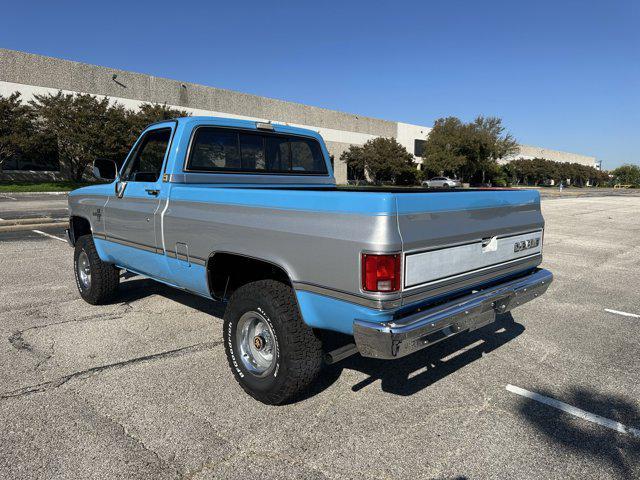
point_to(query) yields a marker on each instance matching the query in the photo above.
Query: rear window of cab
(227, 150)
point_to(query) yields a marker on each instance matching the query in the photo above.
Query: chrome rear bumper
(397, 338)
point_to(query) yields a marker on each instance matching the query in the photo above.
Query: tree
(531, 172)
(78, 123)
(468, 150)
(627, 175)
(539, 170)
(149, 113)
(138, 120)
(442, 151)
(118, 134)
(16, 127)
(383, 160)
(86, 127)
(484, 142)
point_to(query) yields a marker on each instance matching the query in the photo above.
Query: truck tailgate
(459, 238)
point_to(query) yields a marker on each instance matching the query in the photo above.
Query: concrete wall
(36, 74)
(407, 134)
(30, 176)
(30, 69)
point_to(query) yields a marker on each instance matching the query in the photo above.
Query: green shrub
(384, 160)
(72, 130)
(538, 171)
(499, 182)
(408, 176)
(627, 175)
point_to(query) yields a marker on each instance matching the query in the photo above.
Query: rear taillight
(380, 273)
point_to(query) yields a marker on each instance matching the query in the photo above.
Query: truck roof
(247, 124)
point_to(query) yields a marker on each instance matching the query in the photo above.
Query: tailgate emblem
(526, 244)
(489, 244)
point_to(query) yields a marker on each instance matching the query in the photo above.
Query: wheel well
(79, 226)
(226, 272)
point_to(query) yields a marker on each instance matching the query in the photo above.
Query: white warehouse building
(32, 74)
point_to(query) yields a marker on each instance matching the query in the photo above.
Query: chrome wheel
(84, 270)
(257, 343)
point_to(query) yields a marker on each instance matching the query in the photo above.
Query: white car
(442, 182)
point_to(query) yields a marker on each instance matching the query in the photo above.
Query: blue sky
(561, 74)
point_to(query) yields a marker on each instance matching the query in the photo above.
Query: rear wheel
(445, 185)
(97, 281)
(272, 353)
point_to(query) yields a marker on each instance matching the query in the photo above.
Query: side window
(215, 150)
(146, 164)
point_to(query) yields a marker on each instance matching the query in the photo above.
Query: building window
(418, 147)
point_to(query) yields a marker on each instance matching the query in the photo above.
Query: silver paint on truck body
(312, 247)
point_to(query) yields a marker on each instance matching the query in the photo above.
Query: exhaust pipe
(341, 353)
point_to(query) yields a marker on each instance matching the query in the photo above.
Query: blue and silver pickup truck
(249, 213)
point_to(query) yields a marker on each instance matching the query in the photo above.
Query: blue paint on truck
(248, 212)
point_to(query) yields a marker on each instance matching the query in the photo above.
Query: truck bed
(314, 232)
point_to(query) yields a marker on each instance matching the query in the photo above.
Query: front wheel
(97, 281)
(273, 354)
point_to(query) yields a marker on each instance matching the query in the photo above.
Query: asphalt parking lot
(141, 388)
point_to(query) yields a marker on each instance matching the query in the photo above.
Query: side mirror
(105, 169)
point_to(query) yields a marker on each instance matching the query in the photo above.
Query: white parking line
(624, 314)
(9, 197)
(565, 407)
(49, 235)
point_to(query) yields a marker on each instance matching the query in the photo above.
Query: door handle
(152, 191)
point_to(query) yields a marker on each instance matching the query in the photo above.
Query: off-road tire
(298, 355)
(105, 277)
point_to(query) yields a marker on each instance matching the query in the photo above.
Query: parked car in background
(442, 182)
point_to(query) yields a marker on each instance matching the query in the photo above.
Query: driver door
(131, 212)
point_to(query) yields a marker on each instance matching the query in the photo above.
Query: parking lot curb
(27, 194)
(29, 221)
(31, 226)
